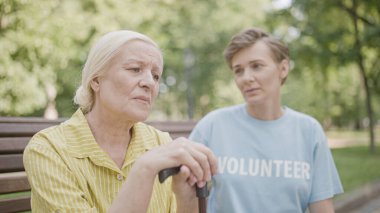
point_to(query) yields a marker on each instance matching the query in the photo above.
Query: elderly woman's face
(131, 82)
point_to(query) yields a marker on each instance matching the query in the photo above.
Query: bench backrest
(15, 134)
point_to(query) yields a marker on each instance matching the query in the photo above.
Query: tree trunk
(189, 66)
(360, 63)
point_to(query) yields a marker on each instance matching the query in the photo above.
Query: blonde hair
(99, 57)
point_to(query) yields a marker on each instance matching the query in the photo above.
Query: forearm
(323, 206)
(135, 193)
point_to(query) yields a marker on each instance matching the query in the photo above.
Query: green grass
(356, 166)
(13, 195)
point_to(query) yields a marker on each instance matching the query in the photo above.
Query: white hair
(101, 53)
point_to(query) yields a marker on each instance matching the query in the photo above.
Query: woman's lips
(251, 91)
(143, 99)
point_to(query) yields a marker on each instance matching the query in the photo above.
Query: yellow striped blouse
(69, 172)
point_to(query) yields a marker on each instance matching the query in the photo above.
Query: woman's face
(131, 82)
(257, 75)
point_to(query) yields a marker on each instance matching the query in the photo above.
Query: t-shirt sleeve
(199, 132)
(326, 182)
(54, 187)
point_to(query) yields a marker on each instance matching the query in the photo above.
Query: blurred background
(334, 47)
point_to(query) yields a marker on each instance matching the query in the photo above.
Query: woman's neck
(111, 133)
(109, 126)
(266, 112)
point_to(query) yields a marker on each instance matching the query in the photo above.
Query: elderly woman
(104, 159)
(271, 158)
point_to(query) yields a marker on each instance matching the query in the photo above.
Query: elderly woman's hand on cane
(187, 190)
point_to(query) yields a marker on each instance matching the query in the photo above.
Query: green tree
(20, 80)
(194, 34)
(37, 52)
(324, 43)
(46, 43)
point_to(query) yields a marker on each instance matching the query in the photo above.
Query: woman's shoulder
(50, 138)
(219, 116)
(304, 119)
(224, 112)
(56, 137)
(47, 136)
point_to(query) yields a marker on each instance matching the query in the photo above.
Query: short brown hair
(249, 37)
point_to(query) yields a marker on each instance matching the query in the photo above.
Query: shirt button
(120, 177)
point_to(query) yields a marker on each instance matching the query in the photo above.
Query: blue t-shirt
(281, 165)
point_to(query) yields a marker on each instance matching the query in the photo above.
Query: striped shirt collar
(83, 144)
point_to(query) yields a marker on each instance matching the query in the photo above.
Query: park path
(340, 143)
(372, 206)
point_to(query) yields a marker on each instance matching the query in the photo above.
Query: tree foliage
(334, 40)
(45, 42)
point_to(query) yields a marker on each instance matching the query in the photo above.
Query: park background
(334, 48)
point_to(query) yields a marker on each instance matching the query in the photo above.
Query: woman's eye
(256, 66)
(135, 69)
(238, 71)
(156, 77)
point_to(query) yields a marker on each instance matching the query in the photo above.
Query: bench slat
(21, 129)
(177, 135)
(13, 145)
(19, 126)
(15, 204)
(176, 129)
(11, 163)
(13, 182)
(16, 127)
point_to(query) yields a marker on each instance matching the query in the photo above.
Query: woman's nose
(249, 75)
(147, 79)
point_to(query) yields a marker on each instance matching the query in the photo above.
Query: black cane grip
(202, 192)
(165, 173)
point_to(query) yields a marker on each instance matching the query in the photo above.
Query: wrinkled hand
(199, 159)
(197, 164)
(183, 185)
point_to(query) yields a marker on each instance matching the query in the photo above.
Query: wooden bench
(15, 133)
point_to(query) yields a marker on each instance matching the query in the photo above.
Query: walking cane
(201, 193)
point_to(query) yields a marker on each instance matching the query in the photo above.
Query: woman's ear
(95, 84)
(284, 69)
